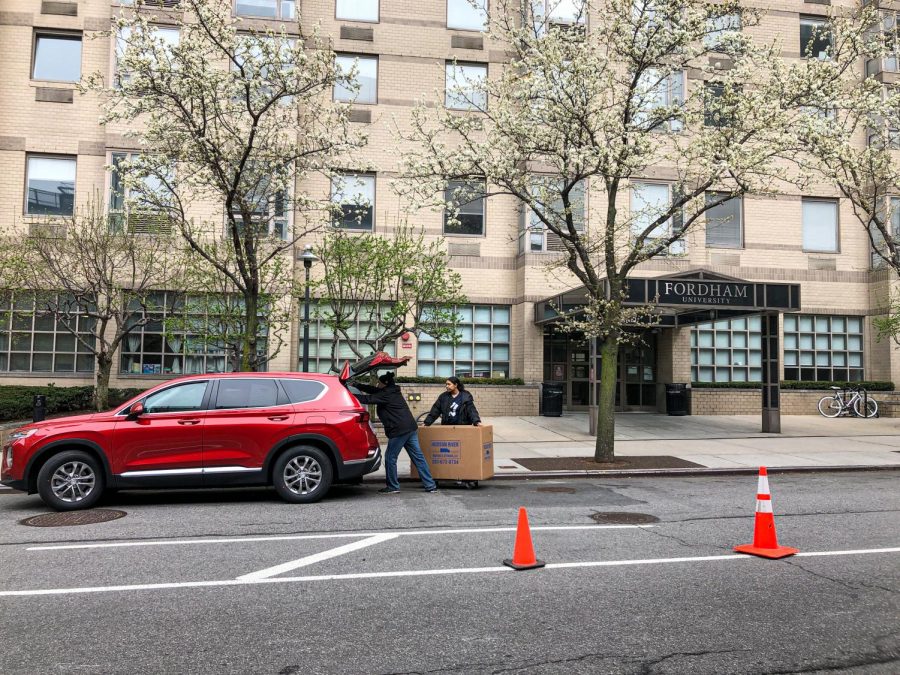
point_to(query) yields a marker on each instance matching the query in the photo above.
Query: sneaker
(431, 489)
(387, 491)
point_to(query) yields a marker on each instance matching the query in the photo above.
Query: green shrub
(17, 402)
(506, 381)
(874, 385)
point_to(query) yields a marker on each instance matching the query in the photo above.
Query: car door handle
(188, 421)
(278, 418)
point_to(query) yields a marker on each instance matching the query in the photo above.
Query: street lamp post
(308, 259)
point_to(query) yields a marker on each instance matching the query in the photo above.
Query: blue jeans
(409, 441)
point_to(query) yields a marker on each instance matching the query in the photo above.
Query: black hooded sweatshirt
(454, 410)
(391, 408)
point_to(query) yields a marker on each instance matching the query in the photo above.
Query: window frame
(359, 57)
(59, 34)
(373, 21)
(483, 200)
(472, 361)
(204, 400)
(40, 155)
(837, 224)
(280, 394)
(674, 126)
(450, 63)
(370, 174)
(740, 211)
(486, 4)
(126, 211)
(271, 218)
(278, 12)
(817, 21)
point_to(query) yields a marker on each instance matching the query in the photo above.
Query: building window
(727, 351)
(57, 58)
(167, 37)
(893, 228)
(33, 341)
(820, 226)
(270, 213)
(467, 14)
(648, 202)
(533, 234)
(364, 328)
(656, 91)
(266, 9)
(559, 12)
(354, 194)
(823, 348)
(815, 38)
(176, 338)
(482, 351)
(357, 10)
(133, 209)
(724, 223)
(465, 86)
(468, 200)
(719, 104)
(720, 31)
(50, 185)
(363, 86)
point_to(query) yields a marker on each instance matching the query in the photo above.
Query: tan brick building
(53, 148)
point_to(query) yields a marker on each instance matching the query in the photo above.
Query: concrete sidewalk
(716, 443)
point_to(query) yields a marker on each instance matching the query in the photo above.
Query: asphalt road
(238, 582)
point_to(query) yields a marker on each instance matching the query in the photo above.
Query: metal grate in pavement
(69, 518)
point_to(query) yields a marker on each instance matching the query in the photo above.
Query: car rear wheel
(70, 480)
(302, 475)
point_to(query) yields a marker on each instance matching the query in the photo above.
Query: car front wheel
(70, 480)
(302, 475)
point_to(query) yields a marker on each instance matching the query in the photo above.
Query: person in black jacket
(454, 406)
(401, 429)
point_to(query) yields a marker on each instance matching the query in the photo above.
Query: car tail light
(362, 417)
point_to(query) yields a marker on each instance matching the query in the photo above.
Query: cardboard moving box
(458, 452)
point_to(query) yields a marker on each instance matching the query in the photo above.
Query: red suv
(298, 432)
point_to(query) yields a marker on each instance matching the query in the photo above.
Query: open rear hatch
(377, 361)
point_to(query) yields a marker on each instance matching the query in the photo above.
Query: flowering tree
(231, 116)
(388, 285)
(598, 94)
(91, 280)
(854, 141)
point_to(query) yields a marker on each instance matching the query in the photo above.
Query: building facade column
(771, 369)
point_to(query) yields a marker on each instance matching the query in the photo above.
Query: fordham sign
(705, 293)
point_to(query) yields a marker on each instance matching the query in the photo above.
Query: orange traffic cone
(765, 543)
(523, 552)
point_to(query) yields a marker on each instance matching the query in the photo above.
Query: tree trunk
(606, 409)
(101, 388)
(250, 359)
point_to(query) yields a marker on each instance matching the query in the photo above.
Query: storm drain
(557, 488)
(620, 518)
(69, 518)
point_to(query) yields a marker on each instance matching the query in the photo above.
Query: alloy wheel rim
(73, 482)
(302, 475)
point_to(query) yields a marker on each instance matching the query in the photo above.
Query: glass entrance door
(637, 374)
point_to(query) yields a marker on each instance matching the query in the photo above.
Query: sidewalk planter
(463, 453)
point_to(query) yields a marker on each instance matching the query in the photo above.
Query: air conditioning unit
(149, 222)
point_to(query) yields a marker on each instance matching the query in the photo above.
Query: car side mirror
(136, 410)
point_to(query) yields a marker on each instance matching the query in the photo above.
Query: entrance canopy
(697, 296)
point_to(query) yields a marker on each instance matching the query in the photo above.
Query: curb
(624, 473)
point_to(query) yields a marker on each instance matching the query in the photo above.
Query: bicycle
(838, 403)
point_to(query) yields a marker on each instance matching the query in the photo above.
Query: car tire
(71, 480)
(302, 475)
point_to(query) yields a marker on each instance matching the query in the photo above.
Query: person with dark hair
(454, 406)
(401, 429)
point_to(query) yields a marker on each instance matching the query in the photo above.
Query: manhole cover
(69, 518)
(566, 490)
(619, 518)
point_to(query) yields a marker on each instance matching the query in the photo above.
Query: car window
(174, 399)
(299, 391)
(246, 393)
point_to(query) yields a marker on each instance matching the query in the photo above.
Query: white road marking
(410, 573)
(341, 535)
(317, 557)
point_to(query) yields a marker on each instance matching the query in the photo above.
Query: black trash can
(677, 399)
(552, 399)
